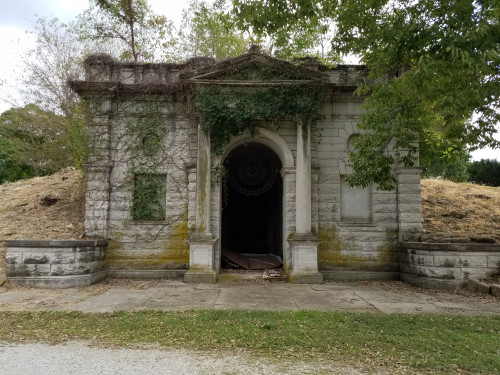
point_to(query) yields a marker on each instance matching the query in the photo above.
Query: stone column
(304, 244)
(409, 204)
(303, 180)
(201, 242)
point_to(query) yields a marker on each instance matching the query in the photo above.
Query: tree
(49, 66)
(128, 27)
(485, 172)
(433, 65)
(207, 30)
(33, 143)
(444, 160)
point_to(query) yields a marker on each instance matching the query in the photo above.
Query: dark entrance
(252, 202)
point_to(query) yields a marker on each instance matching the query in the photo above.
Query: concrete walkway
(134, 295)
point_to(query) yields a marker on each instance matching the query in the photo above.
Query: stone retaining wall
(55, 264)
(447, 265)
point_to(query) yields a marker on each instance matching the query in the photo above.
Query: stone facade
(56, 264)
(328, 230)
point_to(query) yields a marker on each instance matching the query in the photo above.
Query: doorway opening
(252, 209)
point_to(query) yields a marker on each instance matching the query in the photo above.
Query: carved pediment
(255, 69)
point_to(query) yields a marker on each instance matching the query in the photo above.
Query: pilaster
(201, 243)
(303, 243)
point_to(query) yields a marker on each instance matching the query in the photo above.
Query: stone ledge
(58, 282)
(458, 247)
(200, 277)
(431, 283)
(305, 278)
(55, 243)
(359, 275)
(144, 274)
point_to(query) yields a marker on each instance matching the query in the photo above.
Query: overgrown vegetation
(33, 142)
(423, 343)
(232, 111)
(432, 65)
(149, 197)
(485, 171)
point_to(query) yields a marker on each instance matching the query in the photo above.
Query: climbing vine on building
(231, 111)
(148, 129)
(149, 197)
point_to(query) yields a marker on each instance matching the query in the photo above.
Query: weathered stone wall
(56, 264)
(149, 248)
(447, 265)
(350, 249)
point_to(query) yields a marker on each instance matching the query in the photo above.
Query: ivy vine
(231, 111)
(149, 197)
(149, 129)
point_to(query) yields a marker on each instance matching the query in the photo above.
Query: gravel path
(78, 358)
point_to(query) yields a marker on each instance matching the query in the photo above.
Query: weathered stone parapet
(447, 265)
(56, 264)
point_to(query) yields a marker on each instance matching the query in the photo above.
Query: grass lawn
(422, 343)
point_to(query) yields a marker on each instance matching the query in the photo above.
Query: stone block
(422, 260)
(384, 199)
(340, 109)
(409, 189)
(97, 266)
(407, 198)
(474, 261)
(493, 261)
(306, 278)
(475, 273)
(28, 269)
(477, 286)
(35, 258)
(439, 272)
(63, 257)
(13, 258)
(410, 217)
(409, 178)
(69, 269)
(413, 208)
(384, 217)
(448, 261)
(85, 256)
(404, 257)
(384, 208)
(495, 290)
(410, 227)
(195, 277)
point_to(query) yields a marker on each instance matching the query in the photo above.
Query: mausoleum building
(188, 162)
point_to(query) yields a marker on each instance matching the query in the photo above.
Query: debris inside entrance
(236, 260)
(274, 274)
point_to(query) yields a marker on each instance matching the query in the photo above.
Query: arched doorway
(252, 206)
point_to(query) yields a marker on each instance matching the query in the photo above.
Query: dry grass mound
(460, 212)
(49, 207)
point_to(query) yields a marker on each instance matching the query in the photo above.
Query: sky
(17, 17)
